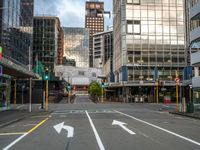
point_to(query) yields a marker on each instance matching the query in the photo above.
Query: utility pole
(47, 95)
(157, 95)
(177, 81)
(102, 94)
(46, 77)
(30, 95)
(15, 93)
(190, 93)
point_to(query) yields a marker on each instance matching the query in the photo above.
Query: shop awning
(16, 70)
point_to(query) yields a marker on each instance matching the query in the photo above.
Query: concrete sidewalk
(14, 115)
(195, 115)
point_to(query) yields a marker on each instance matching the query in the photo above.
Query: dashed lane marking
(81, 112)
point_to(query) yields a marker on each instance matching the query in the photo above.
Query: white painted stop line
(160, 128)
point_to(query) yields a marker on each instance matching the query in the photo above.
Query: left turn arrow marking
(69, 129)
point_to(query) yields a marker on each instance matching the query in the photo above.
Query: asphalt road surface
(88, 126)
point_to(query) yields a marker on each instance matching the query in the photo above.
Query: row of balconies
(195, 61)
(195, 15)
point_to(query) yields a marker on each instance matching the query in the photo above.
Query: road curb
(186, 115)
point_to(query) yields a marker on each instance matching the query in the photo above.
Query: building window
(94, 74)
(81, 73)
(133, 27)
(133, 2)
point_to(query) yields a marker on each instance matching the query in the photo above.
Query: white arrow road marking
(121, 124)
(162, 129)
(60, 126)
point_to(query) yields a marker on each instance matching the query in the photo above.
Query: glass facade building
(47, 41)
(16, 27)
(76, 45)
(149, 40)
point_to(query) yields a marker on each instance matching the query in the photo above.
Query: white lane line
(165, 130)
(16, 133)
(101, 147)
(14, 142)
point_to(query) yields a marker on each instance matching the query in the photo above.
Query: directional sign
(121, 124)
(69, 129)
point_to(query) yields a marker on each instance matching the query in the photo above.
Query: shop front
(5, 91)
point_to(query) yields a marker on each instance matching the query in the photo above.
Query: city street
(88, 126)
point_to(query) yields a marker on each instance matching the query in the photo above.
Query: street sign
(177, 80)
(69, 87)
(105, 85)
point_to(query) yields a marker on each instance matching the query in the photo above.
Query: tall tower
(94, 21)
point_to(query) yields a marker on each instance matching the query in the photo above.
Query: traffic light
(46, 74)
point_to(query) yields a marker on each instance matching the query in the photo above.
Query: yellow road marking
(38, 125)
(15, 133)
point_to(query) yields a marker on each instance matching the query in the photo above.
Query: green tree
(95, 89)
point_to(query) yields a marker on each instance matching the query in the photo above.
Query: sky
(70, 12)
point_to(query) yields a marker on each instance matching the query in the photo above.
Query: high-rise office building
(194, 48)
(76, 46)
(46, 41)
(60, 47)
(26, 11)
(94, 20)
(103, 52)
(15, 43)
(102, 48)
(149, 42)
(194, 17)
(16, 37)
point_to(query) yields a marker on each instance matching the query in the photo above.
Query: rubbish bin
(190, 107)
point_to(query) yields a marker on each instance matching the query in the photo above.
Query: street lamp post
(190, 93)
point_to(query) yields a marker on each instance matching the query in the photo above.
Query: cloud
(70, 12)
